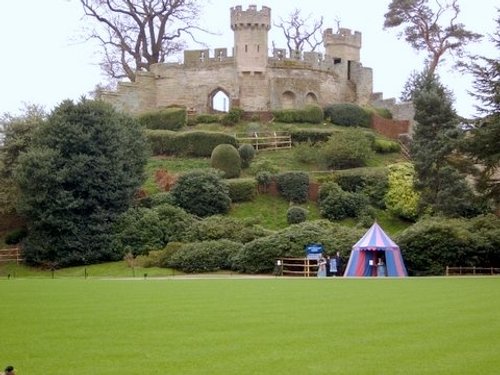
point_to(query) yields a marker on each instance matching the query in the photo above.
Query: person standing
(333, 266)
(321, 266)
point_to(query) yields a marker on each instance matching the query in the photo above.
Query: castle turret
(250, 37)
(342, 45)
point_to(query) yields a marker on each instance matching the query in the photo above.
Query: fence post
(447, 271)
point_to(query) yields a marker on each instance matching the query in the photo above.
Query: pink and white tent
(375, 254)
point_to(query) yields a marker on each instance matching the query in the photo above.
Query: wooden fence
(450, 271)
(302, 267)
(266, 140)
(12, 254)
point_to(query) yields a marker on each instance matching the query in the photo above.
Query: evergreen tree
(82, 170)
(434, 142)
(484, 142)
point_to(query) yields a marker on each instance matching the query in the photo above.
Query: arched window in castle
(220, 101)
(311, 99)
(288, 100)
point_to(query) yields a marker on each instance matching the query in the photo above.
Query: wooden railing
(266, 140)
(472, 271)
(302, 267)
(12, 254)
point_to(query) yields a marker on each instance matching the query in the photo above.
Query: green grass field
(251, 326)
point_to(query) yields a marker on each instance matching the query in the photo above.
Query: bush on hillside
(310, 114)
(337, 204)
(242, 189)
(372, 182)
(347, 114)
(175, 222)
(260, 254)
(296, 215)
(247, 153)
(232, 117)
(350, 149)
(384, 146)
(311, 135)
(293, 186)
(226, 159)
(202, 193)
(205, 256)
(306, 153)
(225, 227)
(401, 198)
(165, 119)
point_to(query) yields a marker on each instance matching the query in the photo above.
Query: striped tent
(375, 254)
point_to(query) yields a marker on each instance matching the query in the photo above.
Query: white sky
(42, 63)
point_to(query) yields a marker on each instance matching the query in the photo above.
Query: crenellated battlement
(343, 36)
(251, 17)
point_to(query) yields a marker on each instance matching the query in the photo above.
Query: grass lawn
(241, 326)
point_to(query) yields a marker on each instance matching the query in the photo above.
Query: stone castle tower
(254, 78)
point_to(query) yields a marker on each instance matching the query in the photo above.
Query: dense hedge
(206, 256)
(337, 204)
(350, 149)
(232, 117)
(373, 182)
(311, 135)
(310, 114)
(347, 114)
(434, 243)
(194, 143)
(384, 146)
(401, 198)
(260, 255)
(293, 186)
(242, 189)
(165, 119)
(224, 227)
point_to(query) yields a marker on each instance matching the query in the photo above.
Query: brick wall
(389, 128)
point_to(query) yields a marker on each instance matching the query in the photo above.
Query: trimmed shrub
(311, 135)
(206, 118)
(206, 256)
(242, 189)
(247, 153)
(296, 215)
(232, 117)
(159, 258)
(192, 143)
(161, 198)
(226, 159)
(202, 193)
(337, 204)
(310, 114)
(294, 186)
(385, 146)
(165, 119)
(347, 114)
(162, 142)
(348, 149)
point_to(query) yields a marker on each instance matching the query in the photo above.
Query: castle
(251, 79)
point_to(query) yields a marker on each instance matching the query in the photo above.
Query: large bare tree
(299, 32)
(134, 34)
(435, 30)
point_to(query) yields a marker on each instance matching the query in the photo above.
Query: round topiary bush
(296, 215)
(226, 158)
(347, 114)
(247, 153)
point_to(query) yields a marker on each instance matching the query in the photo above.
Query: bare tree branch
(135, 34)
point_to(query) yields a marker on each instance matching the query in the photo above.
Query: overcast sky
(43, 61)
